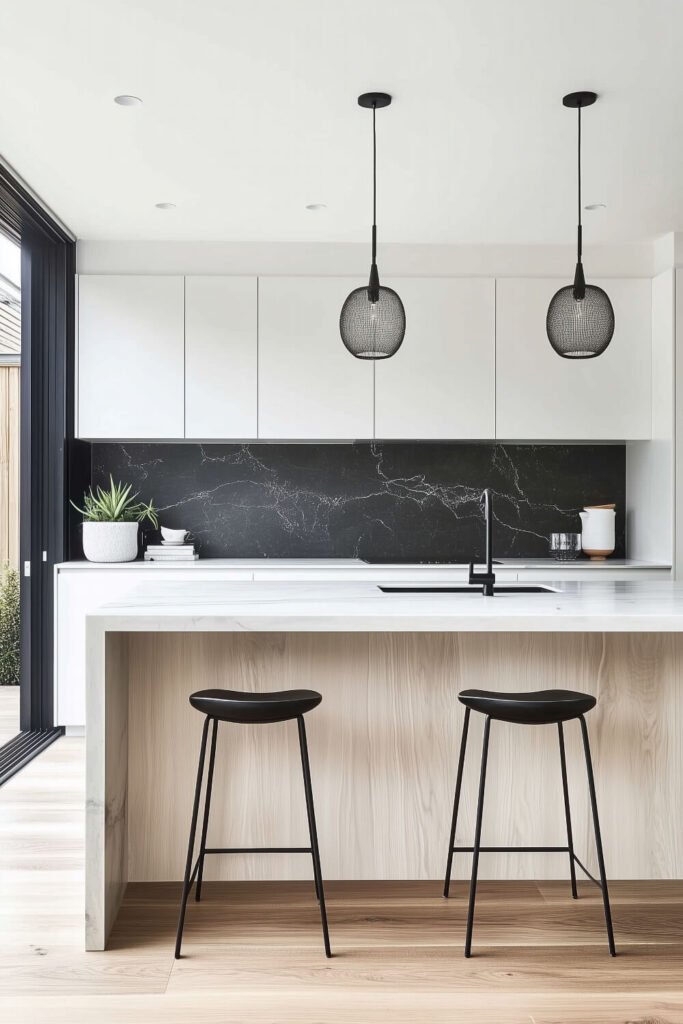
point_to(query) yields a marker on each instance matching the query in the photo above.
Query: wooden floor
(9, 713)
(253, 953)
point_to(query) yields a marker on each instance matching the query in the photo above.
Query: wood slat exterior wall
(9, 465)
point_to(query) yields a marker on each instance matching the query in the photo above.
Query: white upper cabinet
(309, 385)
(441, 382)
(541, 396)
(220, 357)
(130, 357)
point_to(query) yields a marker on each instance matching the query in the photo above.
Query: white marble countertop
(324, 564)
(187, 605)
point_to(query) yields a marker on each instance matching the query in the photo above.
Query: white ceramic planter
(110, 542)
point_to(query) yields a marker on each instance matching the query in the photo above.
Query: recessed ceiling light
(316, 206)
(165, 206)
(128, 101)
(596, 206)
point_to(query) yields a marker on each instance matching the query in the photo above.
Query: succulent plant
(116, 505)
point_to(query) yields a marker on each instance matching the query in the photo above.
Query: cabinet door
(220, 357)
(541, 396)
(310, 386)
(441, 382)
(130, 357)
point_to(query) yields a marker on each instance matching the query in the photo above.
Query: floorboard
(253, 951)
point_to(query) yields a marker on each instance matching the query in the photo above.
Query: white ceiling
(250, 113)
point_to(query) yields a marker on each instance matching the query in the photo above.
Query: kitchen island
(384, 741)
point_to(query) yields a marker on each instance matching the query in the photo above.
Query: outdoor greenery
(116, 505)
(9, 627)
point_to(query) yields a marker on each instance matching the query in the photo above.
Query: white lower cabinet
(542, 397)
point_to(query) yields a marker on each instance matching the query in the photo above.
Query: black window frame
(47, 395)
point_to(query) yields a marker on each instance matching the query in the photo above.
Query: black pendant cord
(580, 241)
(374, 185)
(373, 284)
(579, 279)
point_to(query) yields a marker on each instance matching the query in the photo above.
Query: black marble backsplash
(382, 500)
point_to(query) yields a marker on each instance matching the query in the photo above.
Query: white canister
(597, 531)
(110, 542)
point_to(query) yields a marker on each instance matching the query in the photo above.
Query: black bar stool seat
(537, 707)
(262, 708)
(242, 708)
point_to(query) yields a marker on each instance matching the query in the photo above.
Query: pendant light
(373, 321)
(580, 320)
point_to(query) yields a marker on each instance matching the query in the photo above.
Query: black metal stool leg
(456, 801)
(190, 847)
(567, 811)
(315, 854)
(477, 837)
(207, 805)
(315, 873)
(598, 839)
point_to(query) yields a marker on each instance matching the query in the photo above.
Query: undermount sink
(509, 589)
(437, 562)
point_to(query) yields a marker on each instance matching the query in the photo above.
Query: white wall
(650, 469)
(678, 499)
(111, 257)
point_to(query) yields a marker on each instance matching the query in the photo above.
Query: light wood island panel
(384, 745)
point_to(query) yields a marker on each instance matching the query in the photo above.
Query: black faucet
(488, 578)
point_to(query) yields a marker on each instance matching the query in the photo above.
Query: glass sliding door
(10, 429)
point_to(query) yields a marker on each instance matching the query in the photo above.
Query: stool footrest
(531, 849)
(258, 849)
(512, 849)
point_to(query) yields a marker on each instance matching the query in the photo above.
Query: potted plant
(111, 520)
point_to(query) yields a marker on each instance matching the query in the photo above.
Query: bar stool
(261, 708)
(542, 707)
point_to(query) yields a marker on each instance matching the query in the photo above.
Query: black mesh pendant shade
(580, 328)
(372, 330)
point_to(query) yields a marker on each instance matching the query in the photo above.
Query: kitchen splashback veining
(408, 500)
